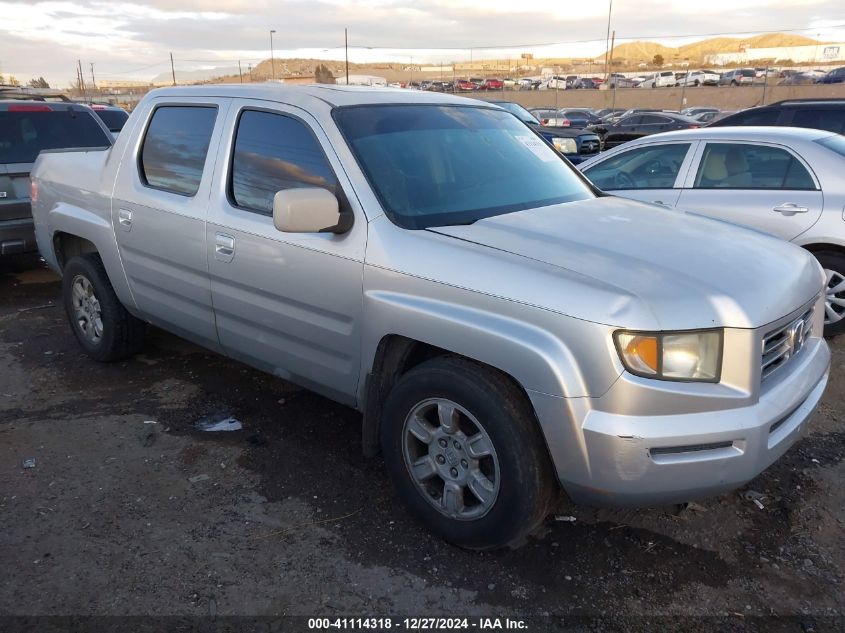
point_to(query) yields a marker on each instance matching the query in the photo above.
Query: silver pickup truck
(505, 328)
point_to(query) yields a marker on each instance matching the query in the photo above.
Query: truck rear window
(24, 134)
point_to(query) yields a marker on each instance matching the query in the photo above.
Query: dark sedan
(634, 126)
(836, 76)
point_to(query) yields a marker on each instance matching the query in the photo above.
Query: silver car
(505, 330)
(785, 181)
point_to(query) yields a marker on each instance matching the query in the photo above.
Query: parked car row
(658, 79)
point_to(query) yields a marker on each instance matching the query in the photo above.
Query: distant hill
(645, 51)
(190, 76)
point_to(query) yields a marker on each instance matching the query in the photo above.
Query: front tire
(834, 310)
(103, 327)
(464, 451)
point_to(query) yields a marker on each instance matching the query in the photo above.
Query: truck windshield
(25, 133)
(434, 165)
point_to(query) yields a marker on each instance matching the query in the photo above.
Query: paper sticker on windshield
(537, 147)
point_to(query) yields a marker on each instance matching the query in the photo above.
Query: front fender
(543, 351)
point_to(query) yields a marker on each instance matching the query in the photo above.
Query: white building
(817, 53)
(361, 80)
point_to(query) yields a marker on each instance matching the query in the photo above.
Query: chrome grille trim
(784, 342)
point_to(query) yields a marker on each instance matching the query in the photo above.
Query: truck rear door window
(175, 148)
(275, 152)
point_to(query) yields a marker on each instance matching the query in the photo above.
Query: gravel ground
(131, 511)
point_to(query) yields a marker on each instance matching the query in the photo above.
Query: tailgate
(14, 191)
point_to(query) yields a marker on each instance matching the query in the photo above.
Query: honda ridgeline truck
(505, 328)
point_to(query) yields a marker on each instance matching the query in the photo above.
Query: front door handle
(224, 247)
(790, 208)
(124, 219)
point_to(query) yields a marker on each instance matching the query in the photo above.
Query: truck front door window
(275, 152)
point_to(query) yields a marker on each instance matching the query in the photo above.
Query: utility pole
(346, 49)
(93, 81)
(765, 85)
(81, 79)
(172, 69)
(610, 65)
(272, 56)
(249, 70)
(240, 72)
(607, 50)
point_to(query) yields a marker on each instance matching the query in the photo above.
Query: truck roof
(301, 94)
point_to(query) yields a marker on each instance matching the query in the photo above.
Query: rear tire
(480, 477)
(834, 267)
(103, 327)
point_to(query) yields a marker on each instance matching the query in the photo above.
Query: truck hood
(688, 272)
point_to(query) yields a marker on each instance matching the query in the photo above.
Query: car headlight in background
(682, 356)
(565, 145)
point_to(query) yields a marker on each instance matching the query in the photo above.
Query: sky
(133, 39)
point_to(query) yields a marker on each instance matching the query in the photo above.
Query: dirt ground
(131, 511)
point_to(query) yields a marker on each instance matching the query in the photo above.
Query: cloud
(127, 39)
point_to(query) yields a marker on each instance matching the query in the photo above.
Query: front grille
(589, 147)
(785, 342)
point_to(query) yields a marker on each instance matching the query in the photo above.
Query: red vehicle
(465, 85)
(492, 84)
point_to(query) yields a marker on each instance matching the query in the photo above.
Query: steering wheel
(623, 181)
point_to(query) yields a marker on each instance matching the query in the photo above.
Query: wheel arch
(75, 231)
(824, 247)
(67, 245)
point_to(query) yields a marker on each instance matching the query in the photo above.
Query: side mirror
(309, 210)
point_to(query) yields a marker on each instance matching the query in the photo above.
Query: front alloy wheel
(451, 459)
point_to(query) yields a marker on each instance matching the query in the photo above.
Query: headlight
(682, 356)
(565, 145)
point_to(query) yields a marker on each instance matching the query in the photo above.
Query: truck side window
(275, 152)
(175, 147)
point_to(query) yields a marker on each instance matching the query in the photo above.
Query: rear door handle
(124, 218)
(790, 208)
(224, 247)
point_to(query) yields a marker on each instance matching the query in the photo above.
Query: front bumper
(17, 236)
(623, 460)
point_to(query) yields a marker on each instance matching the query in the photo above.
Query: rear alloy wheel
(464, 450)
(834, 301)
(103, 327)
(87, 314)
